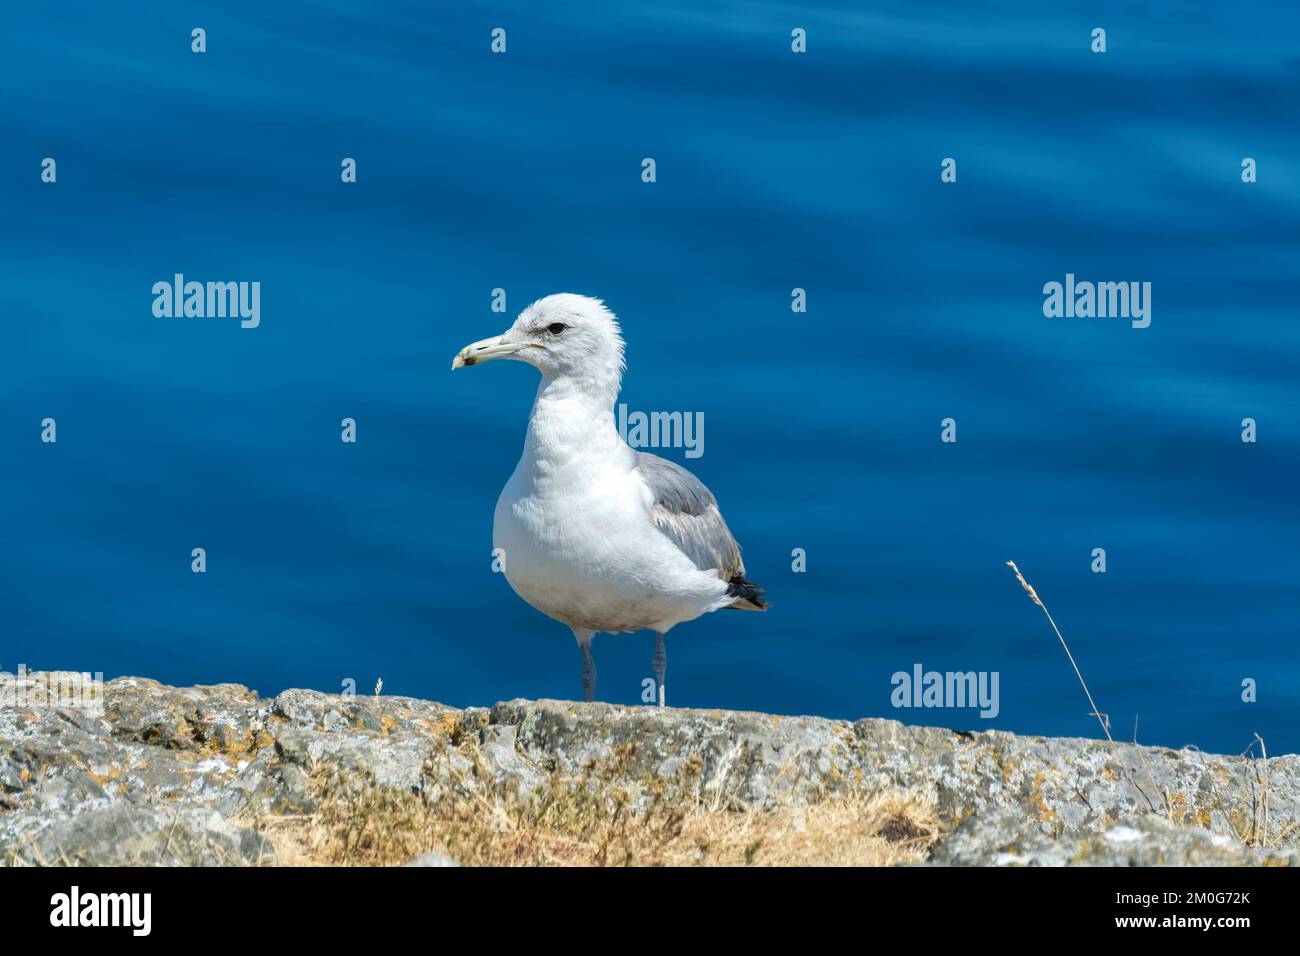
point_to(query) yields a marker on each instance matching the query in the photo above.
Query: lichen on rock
(219, 775)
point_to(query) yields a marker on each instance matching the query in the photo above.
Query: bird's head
(563, 336)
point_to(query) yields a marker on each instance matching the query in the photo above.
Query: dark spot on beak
(469, 360)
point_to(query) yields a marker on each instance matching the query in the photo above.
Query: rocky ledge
(222, 776)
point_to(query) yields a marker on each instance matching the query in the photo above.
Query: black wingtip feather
(748, 595)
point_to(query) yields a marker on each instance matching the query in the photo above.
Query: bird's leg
(588, 673)
(660, 665)
(588, 663)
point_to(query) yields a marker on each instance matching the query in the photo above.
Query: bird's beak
(485, 351)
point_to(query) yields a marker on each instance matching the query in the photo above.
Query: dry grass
(1253, 833)
(595, 818)
(1256, 832)
(1102, 719)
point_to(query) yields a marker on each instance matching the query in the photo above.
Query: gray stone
(433, 859)
(191, 774)
(132, 836)
(1004, 838)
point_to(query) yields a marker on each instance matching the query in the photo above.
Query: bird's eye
(555, 328)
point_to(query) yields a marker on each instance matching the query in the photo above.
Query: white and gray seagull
(595, 534)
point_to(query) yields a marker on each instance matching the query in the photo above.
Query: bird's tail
(748, 595)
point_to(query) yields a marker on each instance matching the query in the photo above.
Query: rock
(751, 758)
(433, 859)
(201, 774)
(1005, 839)
(122, 835)
(223, 717)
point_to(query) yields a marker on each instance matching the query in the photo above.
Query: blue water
(329, 561)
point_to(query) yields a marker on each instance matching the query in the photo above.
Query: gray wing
(688, 514)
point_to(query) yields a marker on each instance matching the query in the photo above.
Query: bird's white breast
(579, 544)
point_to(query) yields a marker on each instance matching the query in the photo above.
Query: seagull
(593, 533)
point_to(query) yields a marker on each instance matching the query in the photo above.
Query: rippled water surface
(328, 561)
